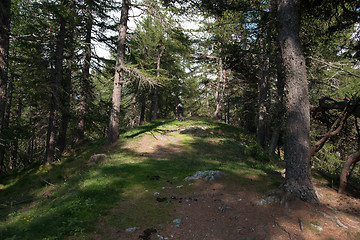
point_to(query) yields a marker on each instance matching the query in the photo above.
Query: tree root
(281, 227)
(336, 220)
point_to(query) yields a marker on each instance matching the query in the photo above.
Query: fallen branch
(47, 182)
(11, 204)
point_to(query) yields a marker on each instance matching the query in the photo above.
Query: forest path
(223, 209)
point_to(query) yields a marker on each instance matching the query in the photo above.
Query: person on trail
(179, 112)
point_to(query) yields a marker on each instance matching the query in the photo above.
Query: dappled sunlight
(138, 186)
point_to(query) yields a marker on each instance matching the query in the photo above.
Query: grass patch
(69, 198)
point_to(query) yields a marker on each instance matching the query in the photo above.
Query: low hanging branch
(340, 123)
(135, 73)
(349, 109)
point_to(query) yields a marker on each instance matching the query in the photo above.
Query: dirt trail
(218, 210)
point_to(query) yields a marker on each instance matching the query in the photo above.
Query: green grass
(113, 190)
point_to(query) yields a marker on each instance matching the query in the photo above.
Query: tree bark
(85, 80)
(113, 132)
(55, 94)
(298, 180)
(352, 159)
(4, 63)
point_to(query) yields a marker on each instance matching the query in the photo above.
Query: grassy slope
(71, 198)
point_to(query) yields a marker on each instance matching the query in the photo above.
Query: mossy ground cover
(68, 199)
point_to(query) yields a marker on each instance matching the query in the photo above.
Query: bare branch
(334, 66)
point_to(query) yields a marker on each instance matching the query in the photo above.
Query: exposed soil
(218, 210)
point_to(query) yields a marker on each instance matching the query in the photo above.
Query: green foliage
(329, 161)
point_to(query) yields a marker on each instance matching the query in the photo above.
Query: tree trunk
(142, 109)
(219, 94)
(113, 132)
(156, 90)
(263, 89)
(85, 80)
(67, 89)
(4, 63)
(352, 159)
(55, 95)
(298, 180)
(279, 114)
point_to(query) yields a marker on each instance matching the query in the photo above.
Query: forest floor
(138, 192)
(223, 210)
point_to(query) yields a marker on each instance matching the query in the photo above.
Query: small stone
(224, 208)
(177, 220)
(208, 175)
(180, 186)
(156, 194)
(268, 200)
(130, 230)
(317, 227)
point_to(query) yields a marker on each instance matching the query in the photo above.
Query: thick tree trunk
(113, 132)
(85, 81)
(352, 159)
(4, 62)
(55, 95)
(298, 180)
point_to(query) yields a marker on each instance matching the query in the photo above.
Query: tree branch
(334, 66)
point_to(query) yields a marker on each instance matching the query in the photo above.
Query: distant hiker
(179, 112)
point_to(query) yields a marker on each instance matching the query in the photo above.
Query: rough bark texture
(298, 180)
(113, 132)
(4, 61)
(55, 94)
(352, 159)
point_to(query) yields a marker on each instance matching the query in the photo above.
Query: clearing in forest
(169, 180)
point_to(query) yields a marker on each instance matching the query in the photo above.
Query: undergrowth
(70, 198)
